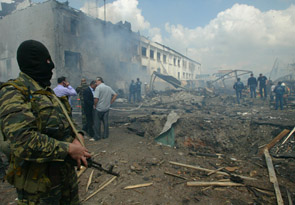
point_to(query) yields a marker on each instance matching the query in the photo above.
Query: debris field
(219, 153)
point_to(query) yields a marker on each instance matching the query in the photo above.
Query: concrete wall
(34, 22)
(167, 61)
(82, 46)
(105, 49)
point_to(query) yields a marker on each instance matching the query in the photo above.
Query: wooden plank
(214, 171)
(103, 186)
(208, 170)
(289, 136)
(274, 141)
(138, 186)
(272, 177)
(289, 197)
(213, 184)
(175, 175)
(89, 180)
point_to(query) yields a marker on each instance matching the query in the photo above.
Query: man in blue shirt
(64, 89)
(262, 85)
(239, 86)
(252, 83)
(279, 91)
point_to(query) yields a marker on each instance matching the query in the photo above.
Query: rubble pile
(175, 100)
(211, 124)
(218, 156)
(217, 127)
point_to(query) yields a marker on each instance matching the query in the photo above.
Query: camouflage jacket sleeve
(19, 125)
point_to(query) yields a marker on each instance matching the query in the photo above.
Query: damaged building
(83, 46)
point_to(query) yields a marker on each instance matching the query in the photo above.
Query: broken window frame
(71, 25)
(72, 60)
(143, 51)
(152, 54)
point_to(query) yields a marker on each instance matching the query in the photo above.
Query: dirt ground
(212, 132)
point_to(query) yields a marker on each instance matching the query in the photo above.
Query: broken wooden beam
(207, 154)
(289, 136)
(289, 197)
(214, 171)
(175, 175)
(198, 184)
(272, 177)
(89, 180)
(138, 186)
(274, 141)
(99, 189)
(208, 170)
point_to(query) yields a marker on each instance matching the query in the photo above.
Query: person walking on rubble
(88, 107)
(104, 96)
(238, 86)
(252, 84)
(262, 85)
(132, 91)
(138, 90)
(279, 91)
(40, 137)
(80, 89)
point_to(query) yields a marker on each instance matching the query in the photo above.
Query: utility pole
(96, 9)
(105, 12)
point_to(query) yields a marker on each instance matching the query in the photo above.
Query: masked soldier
(38, 132)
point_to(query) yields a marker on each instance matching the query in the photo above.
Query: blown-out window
(143, 51)
(151, 54)
(71, 26)
(72, 60)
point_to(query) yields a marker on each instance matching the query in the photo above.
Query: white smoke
(6, 1)
(241, 37)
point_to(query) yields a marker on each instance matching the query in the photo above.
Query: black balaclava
(32, 59)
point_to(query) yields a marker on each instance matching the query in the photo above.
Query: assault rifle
(90, 162)
(98, 166)
(93, 164)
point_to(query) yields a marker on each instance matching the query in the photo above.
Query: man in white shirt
(104, 96)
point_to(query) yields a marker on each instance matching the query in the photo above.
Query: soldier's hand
(79, 153)
(81, 137)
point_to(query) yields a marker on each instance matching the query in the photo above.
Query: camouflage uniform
(80, 90)
(39, 136)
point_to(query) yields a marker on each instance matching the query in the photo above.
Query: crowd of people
(276, 91)
(96, 99)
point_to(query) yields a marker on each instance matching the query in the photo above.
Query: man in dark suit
(88, 107)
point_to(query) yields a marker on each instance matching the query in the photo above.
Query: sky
(219, 34)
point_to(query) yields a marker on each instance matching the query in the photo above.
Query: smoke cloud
(241, 37)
